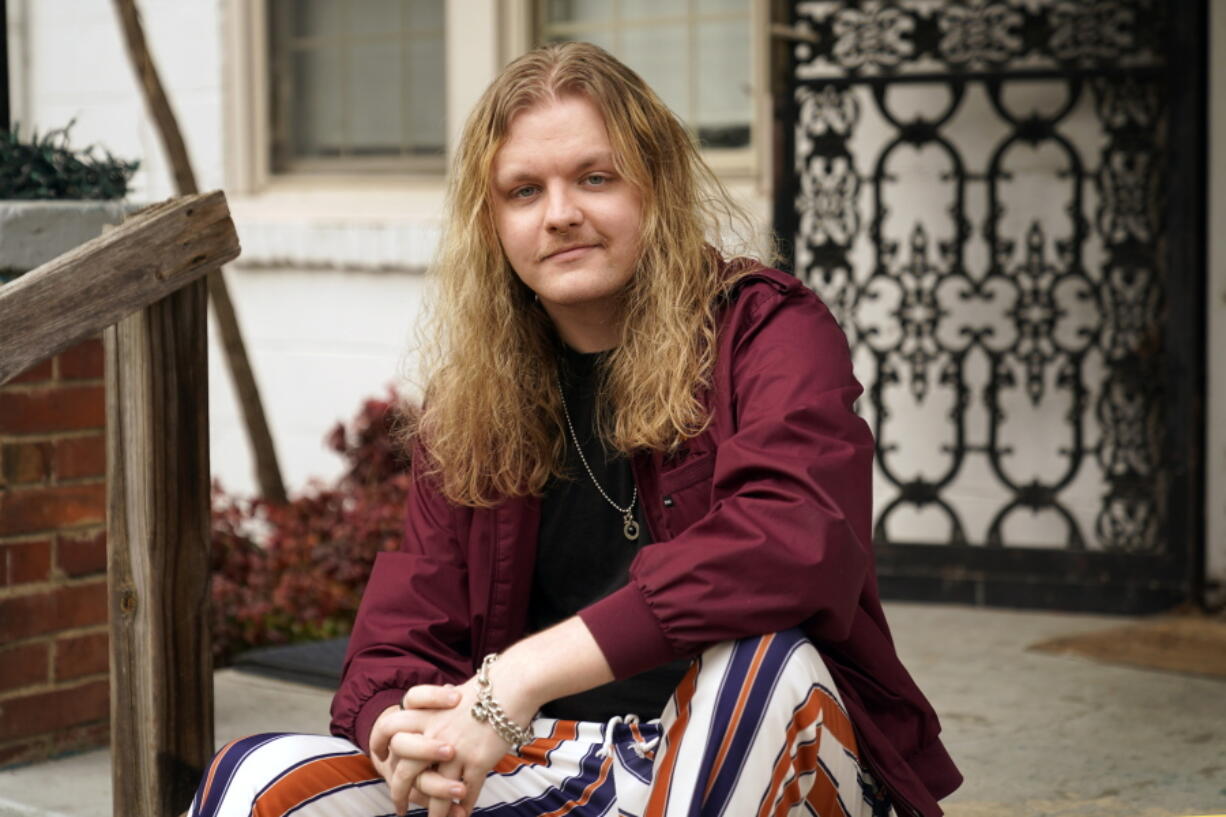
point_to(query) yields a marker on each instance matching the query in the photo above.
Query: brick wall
(54, 689)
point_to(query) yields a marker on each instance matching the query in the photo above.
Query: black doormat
(315, 663)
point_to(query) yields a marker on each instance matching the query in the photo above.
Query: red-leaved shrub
(296, 572)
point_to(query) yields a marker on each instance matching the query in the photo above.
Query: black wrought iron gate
(1003, 204)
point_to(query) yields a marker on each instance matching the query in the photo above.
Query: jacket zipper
(482, 638)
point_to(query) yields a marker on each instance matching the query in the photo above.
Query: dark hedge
(47, 168)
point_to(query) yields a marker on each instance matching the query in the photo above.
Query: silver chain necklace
(630, 528)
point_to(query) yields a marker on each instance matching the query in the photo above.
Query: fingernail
(457, 791)
(444, 751)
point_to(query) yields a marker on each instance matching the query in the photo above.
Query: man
(637, 546)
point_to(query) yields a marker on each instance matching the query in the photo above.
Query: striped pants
(755, 727)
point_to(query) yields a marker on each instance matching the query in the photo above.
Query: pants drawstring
(640, 747)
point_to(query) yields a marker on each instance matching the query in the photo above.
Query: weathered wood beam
(158, 553)
(153, 253)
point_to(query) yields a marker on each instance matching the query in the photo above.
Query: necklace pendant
(630, 528)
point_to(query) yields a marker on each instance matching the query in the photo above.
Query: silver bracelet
(487, 710)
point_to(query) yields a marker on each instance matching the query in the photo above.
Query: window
(357, 86)
(694, 53)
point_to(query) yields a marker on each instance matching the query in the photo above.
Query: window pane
(724, 104)
(694, 53)
(357, 79)
(424, 15)
(579, 11)
(658, 54)
(709, 6)
(375, 16)
(425, 112)
(318, 127)
(316, 18)
(602, 37)
(375, 98)
(640, 9)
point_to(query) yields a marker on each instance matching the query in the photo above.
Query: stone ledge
(33, 232)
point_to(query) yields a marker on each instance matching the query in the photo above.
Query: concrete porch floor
(1034, 734)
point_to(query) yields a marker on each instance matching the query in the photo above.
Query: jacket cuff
(370, 712)
(627, 632)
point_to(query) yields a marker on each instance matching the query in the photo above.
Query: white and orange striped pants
(756, 727)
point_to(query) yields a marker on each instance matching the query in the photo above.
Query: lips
(567, 253)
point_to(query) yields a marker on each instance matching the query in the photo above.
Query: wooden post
(145, 282)
(158, 553)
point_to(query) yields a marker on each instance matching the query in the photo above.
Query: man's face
(568, 223)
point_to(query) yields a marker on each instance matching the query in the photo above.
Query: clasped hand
(433, 753)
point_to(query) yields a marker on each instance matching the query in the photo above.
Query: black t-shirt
(583, 554)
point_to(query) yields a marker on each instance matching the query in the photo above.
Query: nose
(562, 212)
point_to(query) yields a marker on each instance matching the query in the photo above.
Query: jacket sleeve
(412, 624)
(786, 538)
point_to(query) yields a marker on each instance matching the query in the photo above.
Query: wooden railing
(142, 285)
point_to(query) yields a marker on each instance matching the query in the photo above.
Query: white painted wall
(1215, 415)
(322, 342)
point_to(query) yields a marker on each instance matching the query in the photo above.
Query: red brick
(78, 457)
(81, 655)
(80, 737)
(41, 712)
(44, 747)
(81, 554)
(23, 751)
(37, 372)
(24, 463)
(23, 665)
(27, 510)
(82, 361)
(61, 408)
(35, 614)
(23, 562)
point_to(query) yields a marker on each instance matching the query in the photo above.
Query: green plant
(47, 168)
(295, 572)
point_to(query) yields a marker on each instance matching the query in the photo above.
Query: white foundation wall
(322, 342)
(1215, 415)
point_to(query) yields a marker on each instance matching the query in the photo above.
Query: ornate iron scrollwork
(978, 200)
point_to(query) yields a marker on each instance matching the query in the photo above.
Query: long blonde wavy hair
(491, 423)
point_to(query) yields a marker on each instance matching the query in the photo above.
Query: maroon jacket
(760, 524)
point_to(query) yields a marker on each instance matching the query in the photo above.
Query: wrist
(516, 687)
(533, 676)
(495, 707)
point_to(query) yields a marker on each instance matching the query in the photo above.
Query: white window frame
(422, 164)
(482, 36)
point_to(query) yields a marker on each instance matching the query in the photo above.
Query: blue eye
(597, 179)
(523, 192)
